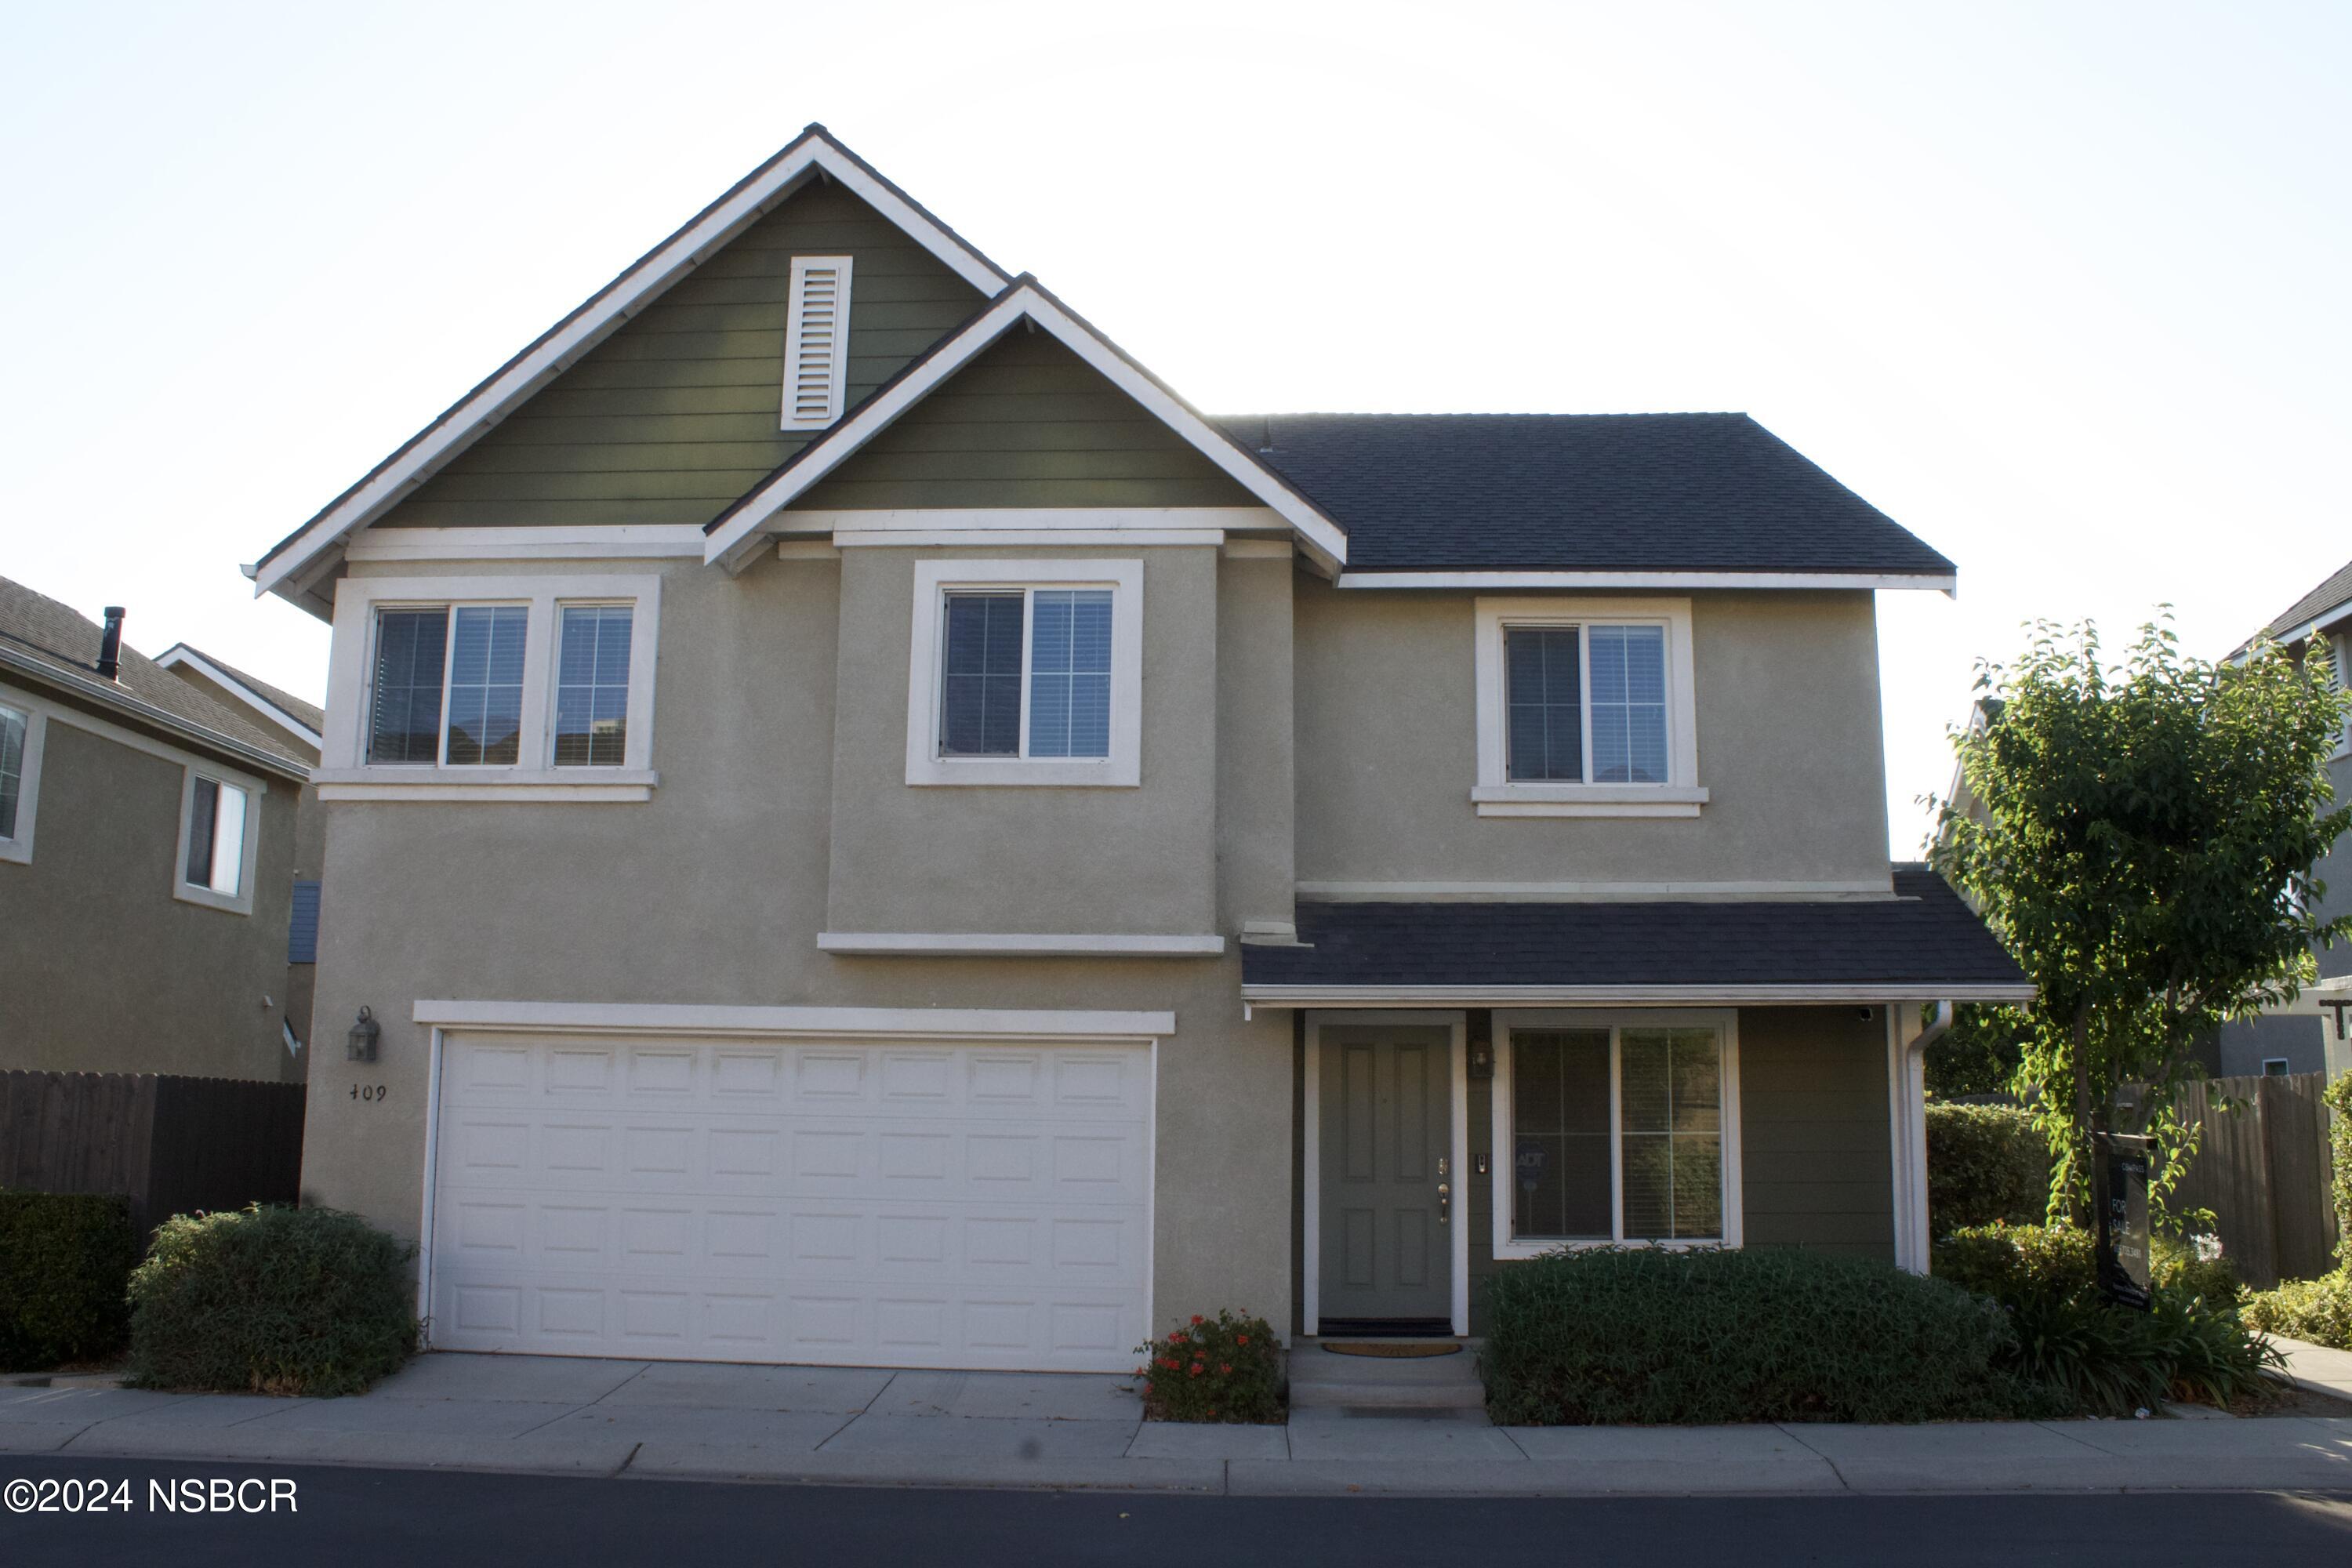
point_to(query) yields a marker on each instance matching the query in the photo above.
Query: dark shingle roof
(1924, 941)
(2329, 596)
(1715, 492)
(310, 713)
(56, 637)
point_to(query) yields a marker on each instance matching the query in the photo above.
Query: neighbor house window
(219, 829)
(1035, 681)
(2274, 1067)
(591, 686)
(1614, 1131)
(515, 698)
(13, 726)
(1585, 707)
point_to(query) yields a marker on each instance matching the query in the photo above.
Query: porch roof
(1921, 944)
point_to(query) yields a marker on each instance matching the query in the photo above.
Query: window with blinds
(1585, 704)
(817, 341)
(1617, 1134)
(1026, 673)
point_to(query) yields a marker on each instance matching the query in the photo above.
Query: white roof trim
(1946, 581)
(732, 544)
(528, 372)
(179, 654)
(1621, 995)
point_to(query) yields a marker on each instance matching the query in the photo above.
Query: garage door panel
(924, 1205)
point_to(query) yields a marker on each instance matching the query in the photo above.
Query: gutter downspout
(1906, 1094)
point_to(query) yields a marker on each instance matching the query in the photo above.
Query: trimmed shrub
(2318, 1311)
(1705, 1336)
(1223, 1370)
(65, 1262)
(1986, 1165)
(271, 1300)
(2179, 1271)
(2011, 1263)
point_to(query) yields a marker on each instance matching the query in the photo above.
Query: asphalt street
(351, 1516)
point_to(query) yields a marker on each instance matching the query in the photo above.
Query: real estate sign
(2121, 1197)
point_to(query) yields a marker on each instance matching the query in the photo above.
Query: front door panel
(1385, 1094)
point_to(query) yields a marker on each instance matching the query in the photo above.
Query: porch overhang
(1277, 997)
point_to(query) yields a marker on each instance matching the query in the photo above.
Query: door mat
(1403, 1350)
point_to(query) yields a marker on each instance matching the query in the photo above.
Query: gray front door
(1386, 1120)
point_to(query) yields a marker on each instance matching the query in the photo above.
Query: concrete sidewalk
(918, 1429)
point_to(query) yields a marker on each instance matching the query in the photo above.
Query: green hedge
(1986, 1163)
(1705, 1336)
(65, 1261)
(2318, 1311)
(272, 1301)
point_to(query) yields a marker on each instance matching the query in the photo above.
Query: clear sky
(2062, 287)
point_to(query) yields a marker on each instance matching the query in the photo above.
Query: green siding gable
(1026, 424)
(675, 415)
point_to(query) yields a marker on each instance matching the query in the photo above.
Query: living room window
(1025, 673)
(497, 687)
(1585, 709)
(1612, 1130)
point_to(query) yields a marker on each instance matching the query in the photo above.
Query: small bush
(271, 1300)
(2179, 1272)
(1986, 1165)
(2318, 1311)
(2017, 1262)
(1224, 1369)
(1656, 1337)
(65, 1261)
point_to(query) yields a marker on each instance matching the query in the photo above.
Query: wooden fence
(173, 1145)
(2263, 1168)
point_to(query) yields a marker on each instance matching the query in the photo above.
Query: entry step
(1322, 1379)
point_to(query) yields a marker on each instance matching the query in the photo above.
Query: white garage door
(895, 1204)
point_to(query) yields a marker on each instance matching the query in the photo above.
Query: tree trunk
(2084, 1110)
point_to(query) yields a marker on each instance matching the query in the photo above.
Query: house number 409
(369, 1091)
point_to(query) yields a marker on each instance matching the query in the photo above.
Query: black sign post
(2119, 1193)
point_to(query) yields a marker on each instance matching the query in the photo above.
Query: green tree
(1980, 1052)
(2143, 841)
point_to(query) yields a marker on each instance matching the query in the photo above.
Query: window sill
(1521, 1251)
(516, 784)
(15, 851)
(226, 903)
(1016, 773)
(1589, 800)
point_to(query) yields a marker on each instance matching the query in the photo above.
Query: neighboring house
(2310, 1034)
(874, 833)
(146, 860)
(299, 724)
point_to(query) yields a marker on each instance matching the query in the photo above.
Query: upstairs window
(453, 685)
(215, 860)
(817, 341)
(1585, 709)
(592, 691)
(1026, 672)
(12, 727)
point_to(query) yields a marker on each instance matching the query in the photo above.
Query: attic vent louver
(817, 341)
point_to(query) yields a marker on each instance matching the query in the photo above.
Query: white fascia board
(608, 541)
(1041, 520)
(1946, 582)
(180, 654)
(593, 321)
(2294, 634)
(877, 1023)
(1385, 996)
(732, 545)
(1020, 944)
(1873, 890)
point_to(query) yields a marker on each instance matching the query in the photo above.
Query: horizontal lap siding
(1026, 424)
(1816, 1169)
(675, 415)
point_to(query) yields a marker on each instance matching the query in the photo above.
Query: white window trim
(344, 773)
(2339, 653)
(241, 901)
(1724, 1020)
(837, 373)
(933, 581)
(1497, 795)
(18, 849)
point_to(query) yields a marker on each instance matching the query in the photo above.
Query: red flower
(1226, 1367)
(1241, 1339)
(1198, 1320)
(1196, 1369)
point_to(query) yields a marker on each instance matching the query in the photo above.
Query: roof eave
(1756, 996)
(114, 697)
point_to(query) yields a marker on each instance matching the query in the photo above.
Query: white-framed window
(1025, 672)
(1613, 1128)
(23, 731)
(488, 687)
(2274, 1067)
(817, 341)
(220, 839)
(1586, 708)
(2338, 647)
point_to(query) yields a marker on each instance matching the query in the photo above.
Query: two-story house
(2310, 1034)
(874, 832)
(146, 861)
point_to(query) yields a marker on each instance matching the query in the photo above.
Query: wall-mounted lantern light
(360, 1043)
